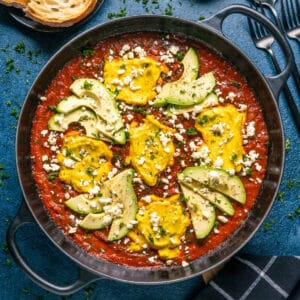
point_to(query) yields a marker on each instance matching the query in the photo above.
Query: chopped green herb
(20, 47)
(201, 18)
(9, 262)
(87, 85)
(14, 113)
(191, 131)
(121, 13)
(52, 107)
(87, 52)
(248, 171)
(169, 10)
(287, 145)
(280, 196)
(9, 65)
(203, 120)
(234, 157)
(88, 291)
(150, 238)
(89, 170)
(180, 55)
(268, 225)
(4, 176)
(295, 214)
(51, 176)
(162, 231)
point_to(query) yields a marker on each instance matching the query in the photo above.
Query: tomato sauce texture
(52, 190)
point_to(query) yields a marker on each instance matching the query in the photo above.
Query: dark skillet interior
(267, 194)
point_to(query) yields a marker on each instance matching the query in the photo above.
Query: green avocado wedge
(95, 221)
(106, 107)
(186, 93)
(190, 65)
(217, 199)
(90, 95)
(83, 205)
(120, 190)
(218, 180)
(203, 214)
(86, 118)
(210, 101)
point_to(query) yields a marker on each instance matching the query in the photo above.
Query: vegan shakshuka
(148, 150)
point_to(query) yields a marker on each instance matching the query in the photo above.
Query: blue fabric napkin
(255, 277)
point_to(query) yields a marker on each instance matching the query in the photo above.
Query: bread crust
(15, 3)
(54, 13)
(59, 13)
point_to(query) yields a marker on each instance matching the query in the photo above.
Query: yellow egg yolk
(84, 162)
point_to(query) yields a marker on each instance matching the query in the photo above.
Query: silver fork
(263, 40)
(270, 4)
(291, 18)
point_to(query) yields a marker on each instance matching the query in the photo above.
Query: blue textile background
(279, 235)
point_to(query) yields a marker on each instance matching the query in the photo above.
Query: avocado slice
(186, 94)
(218, 180)
(217, 199)
(106, 107)
(190, 64)
(203, 214)
(95, 221)
(91, 94)
(72, 103)
(82, 204)
(120, 188)
(211, 100)
(86, 118)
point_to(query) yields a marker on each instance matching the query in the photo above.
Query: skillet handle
(276, 82)
(22, 218)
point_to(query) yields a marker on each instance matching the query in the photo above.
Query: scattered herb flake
(20, 47)
(121, 13)
(169, 10)
(87, 52)
(191, 131)
(268, 225)
(287, 145)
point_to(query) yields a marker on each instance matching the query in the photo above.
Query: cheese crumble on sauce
(225, 131)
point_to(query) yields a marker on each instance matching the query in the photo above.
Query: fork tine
(289, 14)
(293, 14)
(284, 14)
(263, 29)
(297, 11)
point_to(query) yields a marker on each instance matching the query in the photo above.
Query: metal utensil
(291, 18)
(270, 4)
(264, 40)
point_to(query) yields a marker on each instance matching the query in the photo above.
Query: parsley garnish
(191, 131)
(121, 13)
(87, 52)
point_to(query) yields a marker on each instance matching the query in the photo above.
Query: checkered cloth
(248, 277)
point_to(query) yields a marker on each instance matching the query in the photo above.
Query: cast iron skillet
(267, 89)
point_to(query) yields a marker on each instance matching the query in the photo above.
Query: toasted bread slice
(15, 3)
(59, 13)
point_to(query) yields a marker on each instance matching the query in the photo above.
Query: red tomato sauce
(52, 192)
